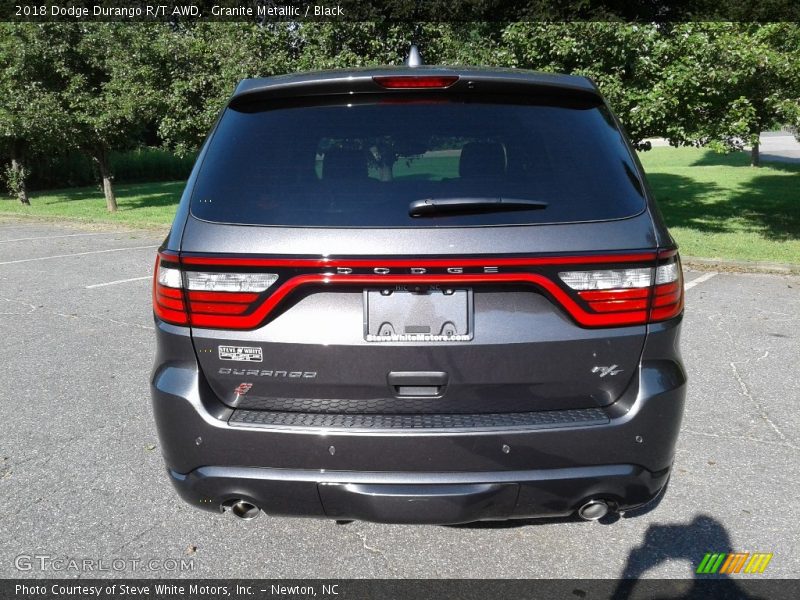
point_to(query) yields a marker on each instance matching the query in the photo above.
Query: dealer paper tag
(240, 353)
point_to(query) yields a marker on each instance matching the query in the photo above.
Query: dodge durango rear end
(418, 295)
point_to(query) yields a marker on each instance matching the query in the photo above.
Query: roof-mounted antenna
(414, 58)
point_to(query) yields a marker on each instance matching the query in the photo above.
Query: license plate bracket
(432, 315)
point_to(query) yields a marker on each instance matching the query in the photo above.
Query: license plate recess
(434, 315)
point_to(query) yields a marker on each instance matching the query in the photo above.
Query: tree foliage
(199, 67)
(76, 86)
(618, 57)
(107, 68)
(98, 87)
(30, 111)
(722, 84)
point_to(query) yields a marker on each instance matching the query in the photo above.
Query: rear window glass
(362, 164)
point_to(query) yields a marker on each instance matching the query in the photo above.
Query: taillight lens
(668, 290)
(607, 279)
(168, 301)
(169, 277)
(229, 282)
(204, 298)
(628, 296)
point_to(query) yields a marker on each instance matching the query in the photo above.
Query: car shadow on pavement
(688, 542)
(662, 542)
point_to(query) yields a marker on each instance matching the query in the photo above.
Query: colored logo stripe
(758, 563)
(734, 562)
(711, 562)
(724, 563)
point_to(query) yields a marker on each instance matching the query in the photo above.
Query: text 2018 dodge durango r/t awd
(418, 295)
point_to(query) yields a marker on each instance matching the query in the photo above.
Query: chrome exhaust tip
(242, 509)
(593, 510)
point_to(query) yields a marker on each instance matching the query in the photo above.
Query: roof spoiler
(329, 84)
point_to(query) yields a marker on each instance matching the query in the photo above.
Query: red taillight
(627, 296)
(407, 82)
(605, 301)
(668, 290)
(205, 298)
(168, 303)
(233, 292)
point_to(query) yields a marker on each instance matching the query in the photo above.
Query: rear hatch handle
(429, 384)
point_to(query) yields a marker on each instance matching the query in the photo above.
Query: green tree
(335, 45)
(31, 119)
(618, 57)
(200, 65)
(107, 68)
(722, 84)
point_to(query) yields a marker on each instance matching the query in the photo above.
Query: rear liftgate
(296, 338)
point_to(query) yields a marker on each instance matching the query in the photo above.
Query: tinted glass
(360, 165)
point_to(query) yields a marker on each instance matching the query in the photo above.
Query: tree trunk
(101, 158)
(755, 158)
(19, 174)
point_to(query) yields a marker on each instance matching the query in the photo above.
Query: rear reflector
(406, 82)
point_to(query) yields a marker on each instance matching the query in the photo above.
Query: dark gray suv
(418, 295)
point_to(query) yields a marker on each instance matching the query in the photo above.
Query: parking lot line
(699, 280)
(97, 285)
(50, 237)
(24, 260)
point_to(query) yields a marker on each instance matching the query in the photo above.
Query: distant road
(776, 146)
(779, 146)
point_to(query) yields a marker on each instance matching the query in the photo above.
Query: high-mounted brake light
(406, 82)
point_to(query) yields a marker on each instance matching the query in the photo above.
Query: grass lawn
(715, 205)
(146, 205)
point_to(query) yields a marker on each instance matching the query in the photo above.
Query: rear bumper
(427, 475)
(441, 498)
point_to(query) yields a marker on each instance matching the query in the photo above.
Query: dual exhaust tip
(242, 509)
(593, 510)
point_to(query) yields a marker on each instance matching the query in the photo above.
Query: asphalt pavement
(81, 476)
